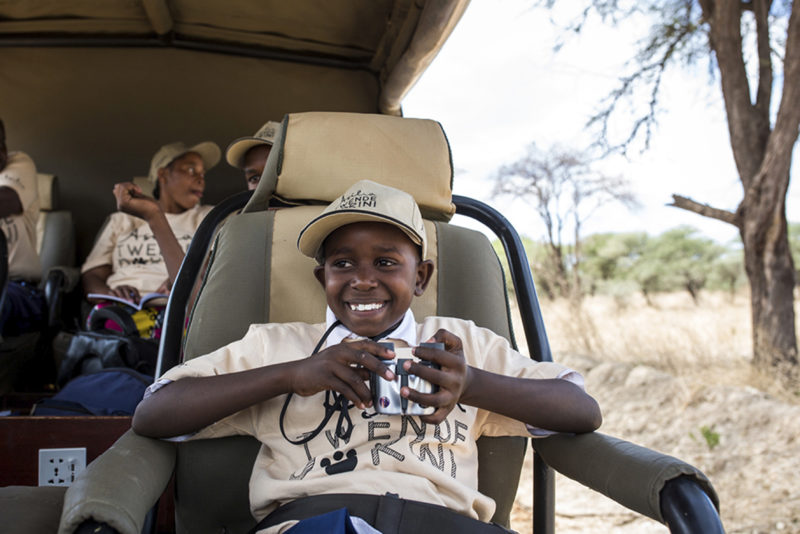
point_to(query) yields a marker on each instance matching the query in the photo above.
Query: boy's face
(254, 162)
(371, 273)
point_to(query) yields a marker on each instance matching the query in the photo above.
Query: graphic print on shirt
(342, 466)
(307, 467)
(442, 433)
(10, 228)
(431, 444)
(14, 179)
(139, 247)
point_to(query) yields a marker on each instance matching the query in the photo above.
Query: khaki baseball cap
(208, 150)
(364, 201)
(239, 147)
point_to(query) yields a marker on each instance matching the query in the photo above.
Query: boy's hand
(453, 377)
(343, 368)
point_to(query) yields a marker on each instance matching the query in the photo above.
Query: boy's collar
(406, 331)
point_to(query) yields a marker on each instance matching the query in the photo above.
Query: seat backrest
(256, 275)
(55, 231)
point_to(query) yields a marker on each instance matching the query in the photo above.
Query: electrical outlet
(59, 467)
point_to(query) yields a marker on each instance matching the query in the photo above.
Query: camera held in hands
(386, 393)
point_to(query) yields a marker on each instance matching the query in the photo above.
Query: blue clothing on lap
(23, 309)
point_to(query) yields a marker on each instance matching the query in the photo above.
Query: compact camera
(386, 397)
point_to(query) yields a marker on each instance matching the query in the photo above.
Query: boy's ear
(319, 274)
(424, 274)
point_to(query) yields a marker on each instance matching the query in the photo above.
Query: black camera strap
(334, 401)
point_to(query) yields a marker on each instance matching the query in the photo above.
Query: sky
(497, 86)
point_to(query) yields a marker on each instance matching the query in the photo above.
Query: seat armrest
(632, 475)
(57, 282)
(120, 486)
(67, 276)
(688, 509)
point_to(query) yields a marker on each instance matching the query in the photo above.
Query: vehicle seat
(55, 231)
(256, 274)
(27, 358)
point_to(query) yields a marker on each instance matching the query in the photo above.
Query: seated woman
(141, 246)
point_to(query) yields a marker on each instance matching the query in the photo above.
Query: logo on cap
(358, 200)
(268, 131)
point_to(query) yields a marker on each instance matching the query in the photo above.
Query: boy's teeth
(366, 307)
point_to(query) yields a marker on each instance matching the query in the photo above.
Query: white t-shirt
(127, 244)
(431, 463)
(20, 230)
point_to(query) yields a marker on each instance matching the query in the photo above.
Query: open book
(145, 301)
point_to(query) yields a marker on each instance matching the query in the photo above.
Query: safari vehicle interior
(408, 153)
(91, 91)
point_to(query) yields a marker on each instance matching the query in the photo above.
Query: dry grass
(662, 373)
(705, 343)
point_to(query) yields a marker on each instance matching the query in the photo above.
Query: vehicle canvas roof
(91, 89)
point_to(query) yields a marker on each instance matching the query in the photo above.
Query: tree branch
(748, 128)
(664, 46)
(788, 117)
(764, 91)
(769, 186)
(705, 210)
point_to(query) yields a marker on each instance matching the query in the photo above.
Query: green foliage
(622, 264)
(539, 262)
(607, 259)
(728, 271)
(677, 259)
(710, 436)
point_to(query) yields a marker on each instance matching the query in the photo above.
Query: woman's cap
(364, 201)
(239, 147)
(208, 151)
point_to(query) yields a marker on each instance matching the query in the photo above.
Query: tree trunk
(763, 159)
(770, 270)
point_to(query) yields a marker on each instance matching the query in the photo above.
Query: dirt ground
(746, 441)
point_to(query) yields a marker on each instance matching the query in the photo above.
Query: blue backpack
(111, 391)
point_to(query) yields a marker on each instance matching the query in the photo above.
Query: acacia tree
(565, 190)
(744, 41)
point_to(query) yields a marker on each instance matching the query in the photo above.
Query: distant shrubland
(622, 264)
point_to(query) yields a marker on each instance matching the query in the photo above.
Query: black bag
(114, 391)
(99, 348)
(89, 352)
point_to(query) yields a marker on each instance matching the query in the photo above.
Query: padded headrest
(47, 187)
(320, 154)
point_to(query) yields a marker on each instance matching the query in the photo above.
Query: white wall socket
(59, 467)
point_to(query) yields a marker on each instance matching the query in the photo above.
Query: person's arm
(131, 200)
(94, 281)
(10, 204)
(192, 403)
(551, 404)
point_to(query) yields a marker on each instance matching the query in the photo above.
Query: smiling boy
(301, 389)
